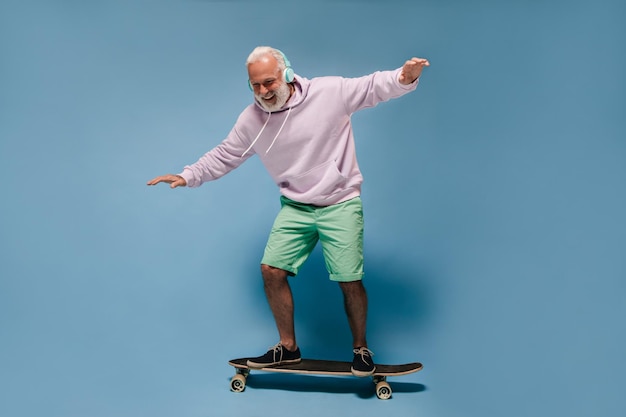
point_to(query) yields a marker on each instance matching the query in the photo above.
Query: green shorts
(298, 227)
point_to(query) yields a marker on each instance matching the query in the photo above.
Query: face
(270, 89)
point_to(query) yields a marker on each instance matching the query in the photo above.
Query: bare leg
(280, 299)
(355, 303)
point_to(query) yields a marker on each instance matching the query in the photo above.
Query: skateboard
(323, 367)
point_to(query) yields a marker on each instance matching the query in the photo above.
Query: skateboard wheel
(238, 383)
(383, 390)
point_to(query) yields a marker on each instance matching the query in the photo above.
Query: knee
(272, 274)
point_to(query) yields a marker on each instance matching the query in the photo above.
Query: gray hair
(262, 51)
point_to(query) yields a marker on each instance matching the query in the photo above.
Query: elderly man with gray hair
(301, 130)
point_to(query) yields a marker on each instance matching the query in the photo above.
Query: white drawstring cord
(279, 130)
(263, 128)
(257, 136)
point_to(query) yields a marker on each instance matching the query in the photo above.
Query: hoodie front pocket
(321, 181)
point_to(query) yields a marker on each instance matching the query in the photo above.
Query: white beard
(282, 95)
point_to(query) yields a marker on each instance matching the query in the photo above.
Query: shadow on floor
(361, 387)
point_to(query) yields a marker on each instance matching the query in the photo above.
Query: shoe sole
(268, 365)
(362, 374)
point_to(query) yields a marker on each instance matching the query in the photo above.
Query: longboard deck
(324, 367)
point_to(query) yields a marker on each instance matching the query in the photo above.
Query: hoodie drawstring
(263, 128)
(279, 130)
(257, 136)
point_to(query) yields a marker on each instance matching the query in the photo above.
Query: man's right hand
(173, 180)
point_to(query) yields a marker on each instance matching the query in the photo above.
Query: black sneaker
(362, 364)
(277, 355)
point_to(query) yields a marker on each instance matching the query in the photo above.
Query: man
(301, 130)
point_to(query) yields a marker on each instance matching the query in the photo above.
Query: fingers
(162, 178)
(173, 180)
(416, 64)
(419, 61)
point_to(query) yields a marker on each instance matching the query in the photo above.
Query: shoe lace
(278, 349)
(364, 352)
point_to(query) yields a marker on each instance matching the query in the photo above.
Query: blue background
(494, 200)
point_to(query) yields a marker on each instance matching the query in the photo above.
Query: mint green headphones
(288, 73)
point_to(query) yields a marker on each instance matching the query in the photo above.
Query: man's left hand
(412, 69)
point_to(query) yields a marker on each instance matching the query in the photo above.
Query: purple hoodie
(307, 146)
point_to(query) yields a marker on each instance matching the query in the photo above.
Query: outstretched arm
(173, 180)
(412, 69)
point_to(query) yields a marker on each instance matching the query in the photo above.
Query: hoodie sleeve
(219, 161)
(368, 91)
